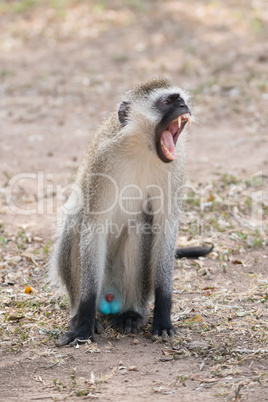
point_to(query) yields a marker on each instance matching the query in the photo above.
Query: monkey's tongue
(168, 146)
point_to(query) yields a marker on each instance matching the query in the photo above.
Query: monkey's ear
(123, 112)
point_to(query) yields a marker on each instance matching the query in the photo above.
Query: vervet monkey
(116, 245)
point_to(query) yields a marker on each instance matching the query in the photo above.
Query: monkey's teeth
(166, 151)
(186, 117)
(182, 119)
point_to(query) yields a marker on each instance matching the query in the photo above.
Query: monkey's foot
(128, 322)
(165, 331)
(81, 333)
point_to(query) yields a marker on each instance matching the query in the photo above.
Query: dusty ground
(63, 66)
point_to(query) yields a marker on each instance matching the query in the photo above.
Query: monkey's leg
(92, 259)
(164, 264)
(68, 262)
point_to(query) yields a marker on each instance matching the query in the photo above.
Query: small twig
(254, 351)
(50, 366)
(237, 391)
(90, 396)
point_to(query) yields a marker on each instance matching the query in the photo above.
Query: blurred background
(64, 64)
(63, 67)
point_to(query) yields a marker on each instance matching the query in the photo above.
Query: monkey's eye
(166, 101)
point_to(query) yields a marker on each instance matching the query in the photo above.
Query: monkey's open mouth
(170, 136)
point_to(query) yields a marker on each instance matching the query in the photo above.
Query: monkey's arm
(193, 252)
(92, 256)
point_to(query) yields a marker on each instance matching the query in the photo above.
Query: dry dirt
(63, 66)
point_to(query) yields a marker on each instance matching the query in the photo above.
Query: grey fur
(138, 264)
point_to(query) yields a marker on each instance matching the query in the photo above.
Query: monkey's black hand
(83, 324)
(128, 322)
(82, 333)
(158, 329)
(162, 325)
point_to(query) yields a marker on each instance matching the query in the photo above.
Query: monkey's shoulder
(109, 128)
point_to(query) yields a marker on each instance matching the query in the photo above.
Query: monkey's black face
(176, 114)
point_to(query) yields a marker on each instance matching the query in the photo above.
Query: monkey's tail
(193, 252)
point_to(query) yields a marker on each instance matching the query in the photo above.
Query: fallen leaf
(132, 368)
(28, 290)
(197, 377)
(169, 352)
(28, 254)
(38, 239)
(238, 262)
(201, 264)
(197, 318)
(244, 313)
(16, 317)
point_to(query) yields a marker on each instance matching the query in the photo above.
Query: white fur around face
(144, 106)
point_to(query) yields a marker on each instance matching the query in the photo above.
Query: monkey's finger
(164, 335)
(64, 339)
(98, 327)
(92, 338)
(75, 342)
(155, 335)
(128, 326)
(171, 333)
